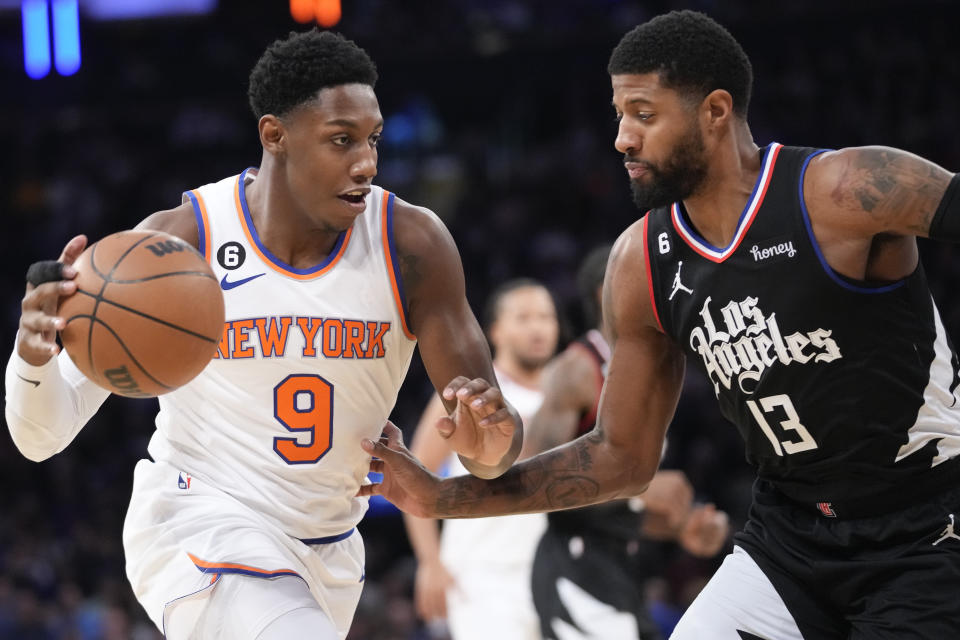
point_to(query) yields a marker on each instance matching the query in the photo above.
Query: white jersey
(310, 362)
(501, 541)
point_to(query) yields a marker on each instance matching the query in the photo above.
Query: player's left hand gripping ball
(482, 427)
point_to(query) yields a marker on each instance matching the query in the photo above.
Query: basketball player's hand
(406, 483)
(705, 531)
(482, 426)
(668, 499)
(430, 590)
(39, 323)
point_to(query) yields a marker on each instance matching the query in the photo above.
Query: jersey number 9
(303, 403)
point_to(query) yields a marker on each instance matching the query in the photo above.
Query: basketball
(147, 315)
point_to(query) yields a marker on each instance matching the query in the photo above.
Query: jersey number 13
(783, 406)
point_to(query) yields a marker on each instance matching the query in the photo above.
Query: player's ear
(717, 108)
(272, 134)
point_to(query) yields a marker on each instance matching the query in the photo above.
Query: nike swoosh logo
(226, 285)
(35, 383)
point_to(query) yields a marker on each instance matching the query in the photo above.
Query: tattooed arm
(615, 460)
(483, 429)
(867, 204)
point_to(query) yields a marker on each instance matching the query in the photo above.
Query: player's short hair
(293, 70)
(589, 278)
(491, 310)
(693, 54)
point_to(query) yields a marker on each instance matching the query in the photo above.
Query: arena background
(498, 118)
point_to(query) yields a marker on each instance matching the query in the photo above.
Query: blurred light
(66, 37)
(135, 9)
(302, 10)
(36, 38)
(327, 12)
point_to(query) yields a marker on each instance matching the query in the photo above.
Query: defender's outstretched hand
(37, 339)
(482, 428)
(406, 483)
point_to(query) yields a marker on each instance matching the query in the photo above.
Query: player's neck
(732, 173)
(513, 369)
(282, 226)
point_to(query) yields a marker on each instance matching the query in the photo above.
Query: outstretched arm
(615, 460)
(484, 430)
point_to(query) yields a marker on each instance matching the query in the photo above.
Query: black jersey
(843, 390)
(618, 520)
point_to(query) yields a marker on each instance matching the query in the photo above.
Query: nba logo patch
(183, 483)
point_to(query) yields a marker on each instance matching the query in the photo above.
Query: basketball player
(802, 297)
(477, 573)
(241, 525)
(589, 568)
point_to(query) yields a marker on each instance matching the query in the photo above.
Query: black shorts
(890, 577)
(603, 569)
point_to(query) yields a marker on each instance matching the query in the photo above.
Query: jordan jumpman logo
(677, 285)
(947, 532)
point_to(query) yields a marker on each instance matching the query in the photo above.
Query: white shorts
(492, 604)
(738, 600)
(180, 534)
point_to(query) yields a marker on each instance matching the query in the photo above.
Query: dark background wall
(498, 118)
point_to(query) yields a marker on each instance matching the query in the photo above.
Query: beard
(531, 362)
(674, 180)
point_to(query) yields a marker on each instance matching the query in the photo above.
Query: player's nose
(364, 169)
(627, 141)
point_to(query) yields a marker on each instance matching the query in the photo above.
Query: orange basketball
(147, 315)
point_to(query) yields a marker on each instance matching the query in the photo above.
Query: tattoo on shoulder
(889, 184)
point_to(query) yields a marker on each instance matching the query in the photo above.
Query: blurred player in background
(589, 569)
(791, 275)
(242, 523)
(476, 573)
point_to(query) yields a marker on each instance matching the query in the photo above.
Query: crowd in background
(498, 118)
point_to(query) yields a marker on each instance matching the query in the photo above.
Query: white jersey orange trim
(272, 261)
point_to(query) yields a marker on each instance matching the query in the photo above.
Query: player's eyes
(341, 140)
(375, 139)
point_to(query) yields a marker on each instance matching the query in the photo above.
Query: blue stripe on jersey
(328, 539)
(274, 259)
(248, 572)
(842, 281)
(201, 228)
(743, 214)
(393, 255)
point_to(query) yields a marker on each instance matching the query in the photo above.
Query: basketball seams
(166, 323)
(94, 320)
(106, 281)
(165, 275)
